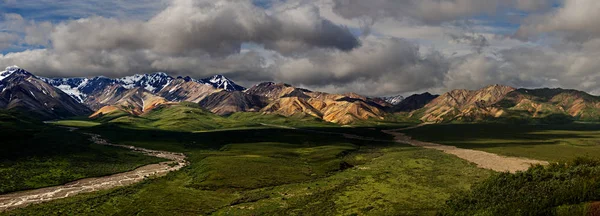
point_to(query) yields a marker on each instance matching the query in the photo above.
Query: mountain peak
(12, 70)
(222, 82)
(153, 82)
(394, 100)
(163, 74)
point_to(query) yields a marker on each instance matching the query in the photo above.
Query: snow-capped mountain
(101, 91)
(222, 82)
(80, 88)
(394, 100)
(71, 86)
(10, 70)
(24, 91)
(153, 82)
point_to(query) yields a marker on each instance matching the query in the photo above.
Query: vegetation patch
(557, 189)
(35, 155)
(273, 171)
(543, 142)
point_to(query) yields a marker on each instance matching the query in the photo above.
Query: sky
(374, 48)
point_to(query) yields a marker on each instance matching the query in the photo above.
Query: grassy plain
(35, 155)
(545, 142)
(241, 167)
(270, 171)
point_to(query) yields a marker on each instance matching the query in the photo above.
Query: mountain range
(139, 95)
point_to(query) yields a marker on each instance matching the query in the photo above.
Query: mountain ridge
(138, 94)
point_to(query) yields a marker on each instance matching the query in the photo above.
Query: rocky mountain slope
(394, 100)
(225, 102)
(414, 102)
(287, 100)
(175, 89)
(21, 90)
(135, 101)
(186, 89)
(222, 82)
(505, 102)
(467, 105)
(138, 94)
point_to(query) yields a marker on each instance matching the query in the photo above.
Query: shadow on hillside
(213, 140)
(502, 135)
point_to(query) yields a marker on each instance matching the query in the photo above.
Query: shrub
(537, 191)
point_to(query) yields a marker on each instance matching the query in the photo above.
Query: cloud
(7, 39)
(574, 21)
(379, 66)
(425, 11)
(531, 67)
(534, 5)
(200, 37)
(406, 45)
(216, 28)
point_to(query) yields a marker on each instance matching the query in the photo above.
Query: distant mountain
(394, 100)
(271, 90)
(544, 102)
(497, 102)
(466, 105)
(287, 100)
(153, 82)
(81, 88)
(413, 102)
(137, 95)
(135, 101)
(222, 82)
(23, 91)
(186, 89)
(225, 102)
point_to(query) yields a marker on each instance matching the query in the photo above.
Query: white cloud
(576, 20)
(412, 46)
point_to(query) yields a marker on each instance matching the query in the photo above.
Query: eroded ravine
(24, 198)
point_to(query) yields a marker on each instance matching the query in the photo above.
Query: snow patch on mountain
(222, 82)
(71, 86)
(394, 100)
(152, 82)
(11, 70)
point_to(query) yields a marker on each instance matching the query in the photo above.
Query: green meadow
(272, 171)
(545, 142)
(244, 165)
(35, 155)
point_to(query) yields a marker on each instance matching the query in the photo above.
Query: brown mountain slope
(181, 89)
(496, 101)
(414, 102)
(347, 108)
(543, 102)
(225, 102)
(289, 106)
(135, 101)
(25, 92)
(464, 104)
(270, 90)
